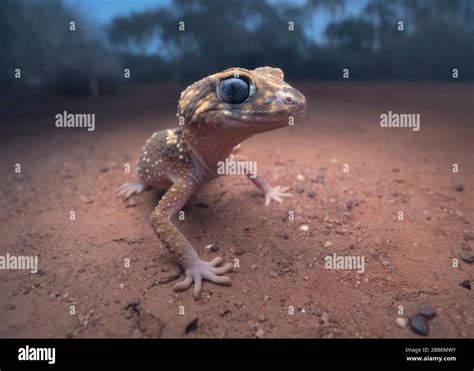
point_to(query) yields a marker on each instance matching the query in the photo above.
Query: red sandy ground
(409, 262)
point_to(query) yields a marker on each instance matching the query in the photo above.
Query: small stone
(319, 179)
(401, 322)
(465, 284)
(459, 187)
(239, 304)
(306, 278)
(285, 237)
(266, 298)
(121, 285)
(254, 267)
(262, 318)
(328, 244)
(66, 295)
(224, 310)
(260, 333)
(325, 318)
(311, 194)
(427, 311)
(273, 274)
(466, 254)
(131, 202)
(304, 228)
(299, 190)
(351, 204)
(239, 251)
(213, 247)
(300, 177)
(419, 324)
(86, 200)
(191, 326)
(165, 268)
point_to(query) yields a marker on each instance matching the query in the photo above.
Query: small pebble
(325, 318)
(254, 267)
(300, 177)
(401, 322)
(311, 194)
(223, 310)
(121, 286)
(260, 333)
(427, 311)
(328, 244)
(213, 247)
(466, 254)
(318, 179)
(86, 200)
(262, 318)
(239, 251)
(299, 190)
(465, 284)
(419, 324)
(304, 228)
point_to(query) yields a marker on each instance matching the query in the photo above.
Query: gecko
(216, 114)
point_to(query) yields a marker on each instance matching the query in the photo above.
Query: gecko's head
(252, 101)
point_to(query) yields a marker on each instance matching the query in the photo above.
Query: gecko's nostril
(289, 100)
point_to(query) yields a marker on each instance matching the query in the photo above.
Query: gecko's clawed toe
(202, 270)
(127, 190)
(276, 194)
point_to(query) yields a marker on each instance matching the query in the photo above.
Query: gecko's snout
(297, 103)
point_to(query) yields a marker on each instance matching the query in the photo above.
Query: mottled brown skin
(182, 160)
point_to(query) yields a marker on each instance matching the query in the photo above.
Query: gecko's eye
(234, 90)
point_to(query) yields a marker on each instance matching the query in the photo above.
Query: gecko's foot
(127, 190)
(205, 270)
(276, 193)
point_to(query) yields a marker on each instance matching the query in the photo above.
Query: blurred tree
(35, 37)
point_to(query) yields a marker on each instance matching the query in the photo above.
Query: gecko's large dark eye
(233, 90)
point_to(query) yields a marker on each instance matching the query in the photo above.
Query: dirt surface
(82, 262)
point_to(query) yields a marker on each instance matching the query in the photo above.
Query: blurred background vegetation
(328, 36)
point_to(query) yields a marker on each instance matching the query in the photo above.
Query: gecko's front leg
(270, 193)
(195, 269)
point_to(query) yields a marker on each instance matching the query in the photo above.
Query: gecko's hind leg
(127, 190)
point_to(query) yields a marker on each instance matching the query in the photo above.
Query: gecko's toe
(202, 270)
(229, 267)
(183, 285)
(127, 190)
(276, 194)
(216, 261)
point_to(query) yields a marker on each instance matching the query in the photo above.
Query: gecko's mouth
(265, 116)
